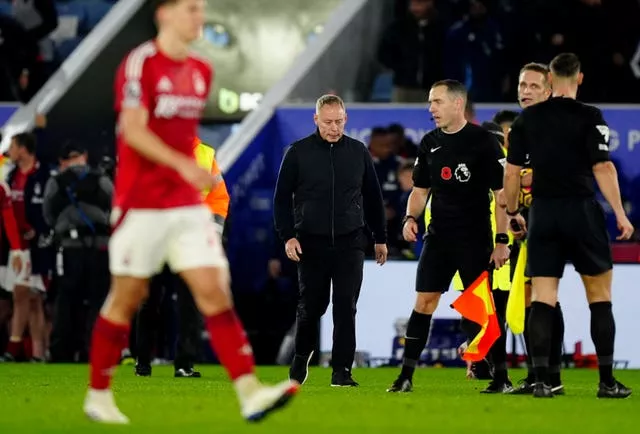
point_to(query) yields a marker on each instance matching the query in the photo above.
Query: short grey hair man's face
(330, 117)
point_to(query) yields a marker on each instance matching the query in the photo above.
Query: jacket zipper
(333, 194)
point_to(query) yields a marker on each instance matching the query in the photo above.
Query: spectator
(386, 165)
(623, 39)
(18, 53)
(401, 145)
(398, 247)
(39, 18)
(412, 48)
(474, 54)
(470, 112)
(505, 118)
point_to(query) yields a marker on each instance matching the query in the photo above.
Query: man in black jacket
(327, 198)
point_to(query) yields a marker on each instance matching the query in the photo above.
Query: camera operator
(77, 204)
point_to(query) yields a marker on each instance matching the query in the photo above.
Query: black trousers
(163, 285)
(322, 264)
(83, 285)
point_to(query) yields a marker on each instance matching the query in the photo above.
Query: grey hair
(329, 100)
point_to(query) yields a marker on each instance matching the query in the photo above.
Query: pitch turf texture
(48, 399)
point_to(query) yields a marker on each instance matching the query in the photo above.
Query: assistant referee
(568, 145)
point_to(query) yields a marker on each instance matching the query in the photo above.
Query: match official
(533, 87)
(459, 164)
(568, 146)
(327, 197)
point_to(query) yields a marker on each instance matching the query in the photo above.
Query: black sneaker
(498, 386)
(143, 370)
(299, 370)
(618, 390)
(402, 385)
(541, 390)
(186, 373)
(525, 387)
(343, 378)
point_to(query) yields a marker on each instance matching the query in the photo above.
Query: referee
(327, 205)
(533, 87)
(568, 146)
(458, 164)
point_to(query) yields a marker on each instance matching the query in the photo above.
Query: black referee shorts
(442, 256)
(567, 229)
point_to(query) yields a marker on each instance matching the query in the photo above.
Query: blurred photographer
(77, 204)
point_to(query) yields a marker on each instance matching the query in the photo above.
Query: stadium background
(273, 58)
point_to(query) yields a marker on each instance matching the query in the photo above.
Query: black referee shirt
(563, 138)
(460, 169)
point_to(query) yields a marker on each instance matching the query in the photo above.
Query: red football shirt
(19, 209)
(9, 218)
(174, 93)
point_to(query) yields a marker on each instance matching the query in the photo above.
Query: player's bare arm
(500, 253)
(511, 186)
(501, 201)
(511, 190)
(607, 178)
(415, 206)
(133, 124)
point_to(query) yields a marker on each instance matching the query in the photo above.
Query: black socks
(603, 333)
(541, 324)
(557, 339)
(415, 341)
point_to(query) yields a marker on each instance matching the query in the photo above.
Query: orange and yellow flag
(476, 304)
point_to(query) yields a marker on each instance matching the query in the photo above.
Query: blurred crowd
(27, 53)
(36, 36)
(483, 44)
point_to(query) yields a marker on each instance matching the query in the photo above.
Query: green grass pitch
(48, 399)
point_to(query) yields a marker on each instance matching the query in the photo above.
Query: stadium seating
(66, 46)
(77, 18)
(5, 7)
(83, 16)
(382, 87)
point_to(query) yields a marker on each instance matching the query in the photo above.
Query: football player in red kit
(27, 181)
(15, 258)
(158, 215)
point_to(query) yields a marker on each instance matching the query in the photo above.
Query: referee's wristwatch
(502, 238)
(513, 213)
(407, 218)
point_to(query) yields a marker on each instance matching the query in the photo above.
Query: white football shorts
(145, 240)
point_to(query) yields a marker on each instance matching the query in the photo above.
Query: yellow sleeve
(204, 157)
